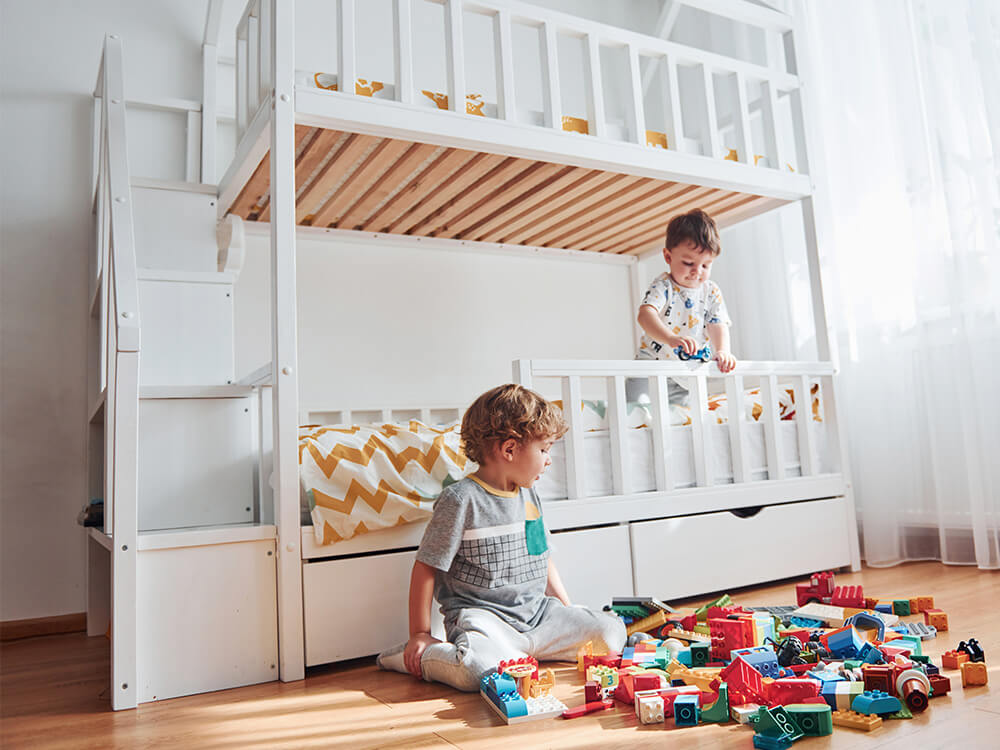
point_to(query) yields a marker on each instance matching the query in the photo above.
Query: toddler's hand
(414, 650)
(688, 344)
(726, 361)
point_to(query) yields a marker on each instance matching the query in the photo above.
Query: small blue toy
(876, 702)
(704, 354)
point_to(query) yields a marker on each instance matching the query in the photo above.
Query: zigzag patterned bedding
(368, 477)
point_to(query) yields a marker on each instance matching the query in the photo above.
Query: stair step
(151, 392)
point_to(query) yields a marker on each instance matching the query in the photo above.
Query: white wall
(49, 52)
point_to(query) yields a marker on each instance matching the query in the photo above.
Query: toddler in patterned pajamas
(485, 556)
(682, 308)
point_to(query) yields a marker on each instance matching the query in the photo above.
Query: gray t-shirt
(490, 551)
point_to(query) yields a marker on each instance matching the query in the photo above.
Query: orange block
(974, 674)
(954, 659)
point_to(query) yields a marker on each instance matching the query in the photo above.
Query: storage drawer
(594, 564)
(358, 606)
(677, 557)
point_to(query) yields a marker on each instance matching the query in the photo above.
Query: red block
(745, 683)
(939, 684)
(647, 682)
(728, 634)
(791, 690)
(848, 596)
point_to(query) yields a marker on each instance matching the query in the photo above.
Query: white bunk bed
(510, 178)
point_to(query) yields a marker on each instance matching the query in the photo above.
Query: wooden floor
(55, 695)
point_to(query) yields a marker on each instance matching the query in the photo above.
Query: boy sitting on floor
(485, 556)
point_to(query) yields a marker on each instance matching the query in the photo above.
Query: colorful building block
(953, 659)
(914, 688)
(744, 714)
(766, 742)
(718, 710)
(854, 720)
(819, 589)
(840, 695)
(974, 674)
(814, 719)
(790, 690)
(649, 708)
(686, 710)
(936, 619)
(876, 702)
(940, 685)
(848, 596)
(921, 631)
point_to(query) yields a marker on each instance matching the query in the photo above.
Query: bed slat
(551, 93)
(700, 437)
(737, 434)
(504, 56)
(401, 171)
(772, 440)
(332, 173)
(595, 102)
(402, 34)
(662, 446)
(576, 476)
(621, 471)
(385, 153)
(804, 422)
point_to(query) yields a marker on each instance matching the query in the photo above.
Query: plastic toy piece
(830, 616)
(686, 710)
(953, 659)
(854, 720)
(868, 621)
(777, 722)
(848, 596)
(649, 709)
(939, 684)
(745, 683)
(791, 690)
(901, 606)
(922, 631)
(974, 674)
(936, 619)
(914, 688)
(813, 719)
(704, 354)
(840, 695)
(972, 648)
(744, 714)
(877, 677)
(500, 693)
(767, 742)
(654, 621)
(761, 658)
(718, 710)
(587, 708)
(876, 702)
(819, 589)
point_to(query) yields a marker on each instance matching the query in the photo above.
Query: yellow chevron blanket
(370, 477)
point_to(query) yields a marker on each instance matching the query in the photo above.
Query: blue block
(876, 702)
(886, 608)
(684, 656)
(869, 654)
(628, 652)
(761, 658)
(805, 622)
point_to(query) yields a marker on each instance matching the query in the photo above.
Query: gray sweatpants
(478, 640)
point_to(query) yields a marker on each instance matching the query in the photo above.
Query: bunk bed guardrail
(115, 341)
(726, 109)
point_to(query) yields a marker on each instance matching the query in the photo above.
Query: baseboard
(12, 630)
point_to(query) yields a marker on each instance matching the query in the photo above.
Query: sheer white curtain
(908, 96)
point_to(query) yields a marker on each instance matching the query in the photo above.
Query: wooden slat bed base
(363, 182)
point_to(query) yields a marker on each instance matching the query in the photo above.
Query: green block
(901, 607)
(852, 663)
(625, 610)
(813, 719)
(922, 658)
(718, 711)
(702, 612)
(763, 723)
(903, 713)
(699, 654)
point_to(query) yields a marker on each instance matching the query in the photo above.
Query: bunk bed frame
(353, 166)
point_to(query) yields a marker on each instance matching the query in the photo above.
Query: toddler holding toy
(683, 312)
(485, 556)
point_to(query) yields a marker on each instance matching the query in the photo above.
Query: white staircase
(183, 570)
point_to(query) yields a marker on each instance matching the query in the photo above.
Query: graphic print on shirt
(499, 556)
(534, 529)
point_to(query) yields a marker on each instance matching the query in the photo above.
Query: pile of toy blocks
(518, 692)
(838, 658)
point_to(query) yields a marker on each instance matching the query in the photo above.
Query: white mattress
(639, 454)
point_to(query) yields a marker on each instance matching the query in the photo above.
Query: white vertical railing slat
(455, 55)
(621, 480)
(403, 34)
(662, 447)
(737, 435)
(551, 93)
(209, 110)
(595, 101)
(744, 142)
(346, 53)
(504, 55)
(769, 111)
(573, 443)
(772, 439)
(637, 114)
(700, 437)
(803, 423)
(672, 95)
(253, 66)
(192, 169)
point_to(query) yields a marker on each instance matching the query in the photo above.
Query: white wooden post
(346, 53)
(595, 102)
(700, 437)
(573, 442)
(738, 447)
(744, 143)
(265, 80)
(551, 93)
(192, 171)
(242, 105)
(662, 447)
(504, 56)
(621, 471)
(772, 440)
(672, 97)
(803, 423)
(253, 64)
(710, 118)
(455, 55)
(403, 35)
(522, 372)
(284, 327)
(209, 110)
(637, 114)
(769, 112)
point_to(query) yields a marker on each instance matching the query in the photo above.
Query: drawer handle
(748, 512)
